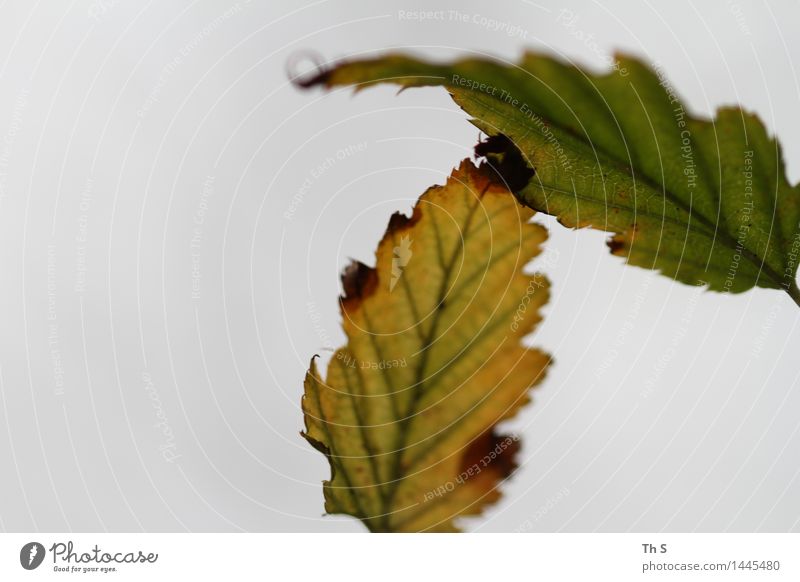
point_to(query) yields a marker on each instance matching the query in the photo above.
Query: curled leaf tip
(305, 80)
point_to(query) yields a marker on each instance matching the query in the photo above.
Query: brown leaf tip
(358, 282)
(400, 221)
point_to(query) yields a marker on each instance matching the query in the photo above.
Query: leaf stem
(794, 292)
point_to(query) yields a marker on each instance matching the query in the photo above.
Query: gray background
(130, 403)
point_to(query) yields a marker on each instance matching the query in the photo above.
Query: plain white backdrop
(174, 216)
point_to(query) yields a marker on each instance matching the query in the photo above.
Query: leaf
(698, 200)
(409, 411)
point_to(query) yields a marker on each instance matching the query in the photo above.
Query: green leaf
(408, 413)
(701, 201)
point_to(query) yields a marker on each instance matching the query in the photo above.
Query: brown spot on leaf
(492, 452)
(506, 162)
(616, 245)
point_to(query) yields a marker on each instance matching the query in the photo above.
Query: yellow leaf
(407, 416)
